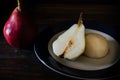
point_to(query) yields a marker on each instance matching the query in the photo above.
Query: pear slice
(60, 44)
(77, 43)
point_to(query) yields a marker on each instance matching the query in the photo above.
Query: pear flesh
(71, 43)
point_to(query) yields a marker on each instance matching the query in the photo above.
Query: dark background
(45, 12)
(21, 64)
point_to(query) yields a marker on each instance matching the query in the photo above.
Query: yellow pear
(96, 45)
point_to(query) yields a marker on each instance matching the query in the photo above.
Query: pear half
(71, 43)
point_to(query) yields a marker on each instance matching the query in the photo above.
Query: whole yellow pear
(96, 45)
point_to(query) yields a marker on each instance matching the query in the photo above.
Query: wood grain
(56, 13)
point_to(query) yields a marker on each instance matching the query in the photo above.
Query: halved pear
(71, 43)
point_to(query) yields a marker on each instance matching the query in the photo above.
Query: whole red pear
(18, 31)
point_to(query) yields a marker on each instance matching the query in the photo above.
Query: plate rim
(64, 73)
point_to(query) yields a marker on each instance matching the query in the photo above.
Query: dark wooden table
(23, 64)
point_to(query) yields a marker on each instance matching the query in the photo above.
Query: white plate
(86, 63)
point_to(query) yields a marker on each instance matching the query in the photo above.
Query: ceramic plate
(83, 67)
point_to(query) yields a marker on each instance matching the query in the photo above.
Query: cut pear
(71, 43)
(77, 43)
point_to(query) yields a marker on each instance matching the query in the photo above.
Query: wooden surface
(23, 64)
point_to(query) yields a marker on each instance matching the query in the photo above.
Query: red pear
(18, 30)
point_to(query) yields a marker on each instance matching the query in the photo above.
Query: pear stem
(18, 3)
(80, 19)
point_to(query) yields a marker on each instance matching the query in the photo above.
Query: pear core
(96, 45)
